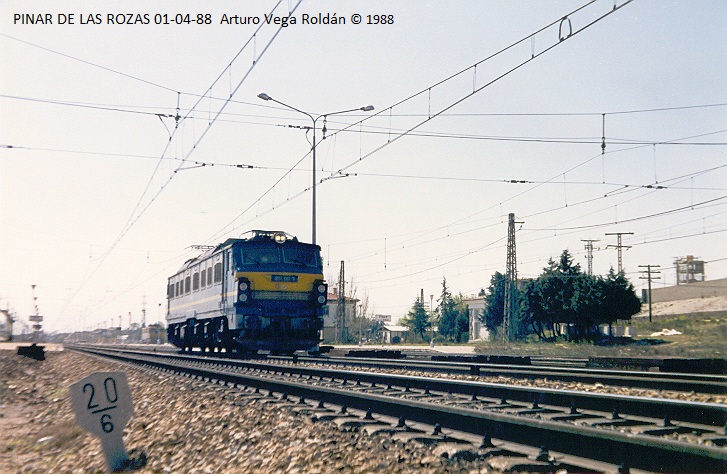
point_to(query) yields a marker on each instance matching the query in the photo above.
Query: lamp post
(367, 108)
(431, 319)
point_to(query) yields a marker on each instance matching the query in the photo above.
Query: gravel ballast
(183, 426)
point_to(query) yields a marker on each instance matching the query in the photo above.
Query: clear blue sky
(101, 196)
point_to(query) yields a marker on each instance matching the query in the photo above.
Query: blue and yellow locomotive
(265, 292)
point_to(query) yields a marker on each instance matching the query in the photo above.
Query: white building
(391, 333)
(476, 309)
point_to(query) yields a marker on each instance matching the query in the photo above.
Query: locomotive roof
(257, 235)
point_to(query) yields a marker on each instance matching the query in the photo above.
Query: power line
(553, 209)
(382, 131)
(525, 181)
(341, 172)
(646, 216)
(397, 248)
(85, 105)
(133, 218)
(560, 140)
(570, 114)
(562, 39)
(441, 227)
(213, 120)
(89, 63)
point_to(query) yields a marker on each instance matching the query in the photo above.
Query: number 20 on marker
(102, 402)
(103, 406)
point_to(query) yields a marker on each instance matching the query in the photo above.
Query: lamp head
(264, 96)
(368, 108)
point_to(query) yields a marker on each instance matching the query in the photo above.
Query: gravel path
(182, 426)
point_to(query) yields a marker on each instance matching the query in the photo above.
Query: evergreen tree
(447, 321)
(555, 296)
(619, 298)
(462, 325)
(494, 314)
(417, 319)
(494, 302)
(563, 295)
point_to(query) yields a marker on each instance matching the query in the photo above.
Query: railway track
(701, 383)
(570, 371)
(546, 429)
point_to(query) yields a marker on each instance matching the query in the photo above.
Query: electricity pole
(341, 320)
(589, 255)
(619, 246)
(510, 279)
(648, 276)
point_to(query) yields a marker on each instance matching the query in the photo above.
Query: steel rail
(711, 414)
(701, 383)
(626, 449)
(683, 382)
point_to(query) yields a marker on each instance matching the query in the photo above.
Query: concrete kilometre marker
(103, 406)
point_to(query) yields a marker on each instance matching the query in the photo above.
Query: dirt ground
(181, 425)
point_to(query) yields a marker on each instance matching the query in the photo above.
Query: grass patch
(703, 335)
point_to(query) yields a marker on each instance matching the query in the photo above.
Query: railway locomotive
(262, 293)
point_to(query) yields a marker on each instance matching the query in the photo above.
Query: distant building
(689, 270)
(394, 334)
(153, 334)
(334, 329)
(476, 309)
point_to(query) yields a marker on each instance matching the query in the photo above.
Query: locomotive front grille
(280, 295)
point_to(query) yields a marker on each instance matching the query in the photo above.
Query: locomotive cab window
(259, 255)
(301, 256)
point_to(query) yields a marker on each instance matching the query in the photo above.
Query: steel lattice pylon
(510, 279)
(589, 255)
(341, 319)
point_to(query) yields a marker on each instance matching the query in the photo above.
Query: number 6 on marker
(103, 406)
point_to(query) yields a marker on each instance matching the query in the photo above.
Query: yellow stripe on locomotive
(280, 281)
(283, 286)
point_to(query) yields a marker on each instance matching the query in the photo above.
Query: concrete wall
(703, 289)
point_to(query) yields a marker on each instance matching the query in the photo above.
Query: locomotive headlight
(243, 290)
(280, 237)
(319, 292)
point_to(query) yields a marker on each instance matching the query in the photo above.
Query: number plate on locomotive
(284, 278)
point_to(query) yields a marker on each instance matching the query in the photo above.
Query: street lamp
(367, 108)
(431, 319)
